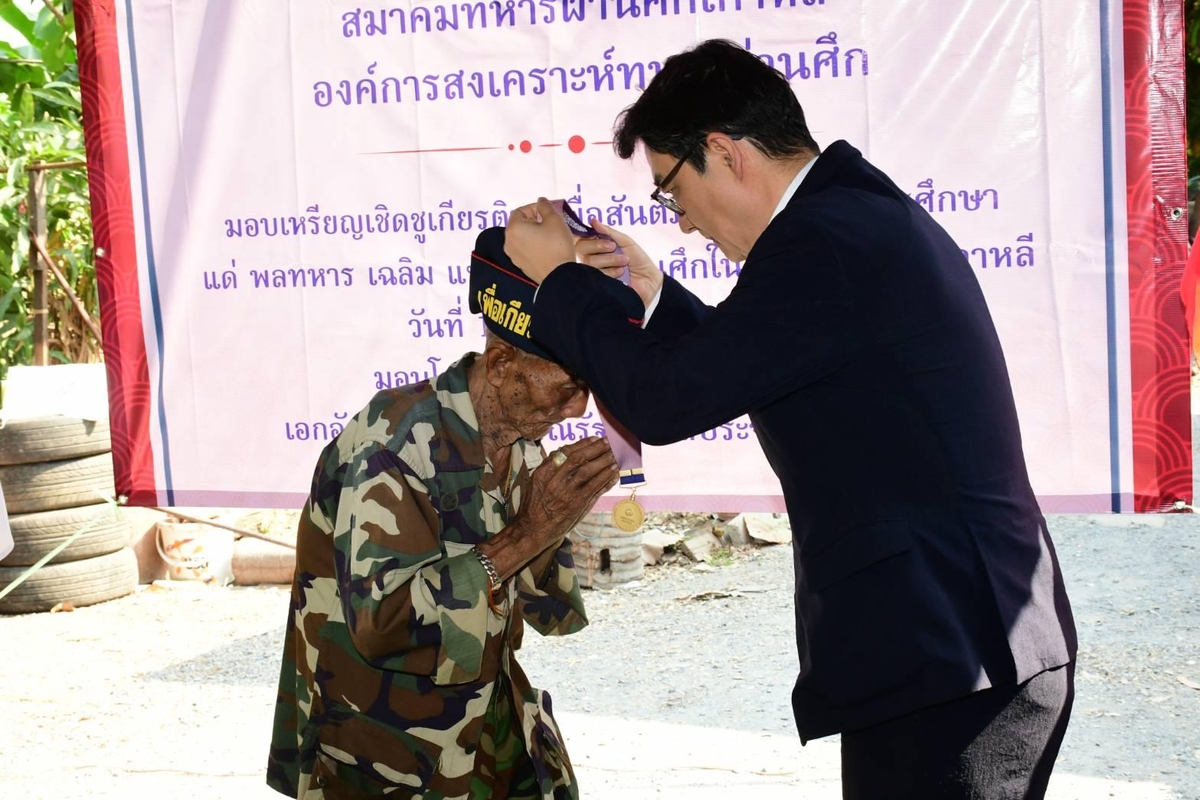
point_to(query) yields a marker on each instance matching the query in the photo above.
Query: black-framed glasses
(667, 200)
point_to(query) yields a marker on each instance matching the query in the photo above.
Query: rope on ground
(110, 507)
(223, 526)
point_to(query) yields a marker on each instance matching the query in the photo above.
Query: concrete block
(256, 562)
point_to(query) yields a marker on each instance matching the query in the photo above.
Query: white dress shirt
(788, 193)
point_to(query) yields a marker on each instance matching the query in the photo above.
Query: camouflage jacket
(392, 654)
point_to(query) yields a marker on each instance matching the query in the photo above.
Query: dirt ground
(678, 688)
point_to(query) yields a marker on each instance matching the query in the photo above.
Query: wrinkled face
(536, 394)
(706, 201)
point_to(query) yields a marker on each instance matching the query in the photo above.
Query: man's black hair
(717, 86)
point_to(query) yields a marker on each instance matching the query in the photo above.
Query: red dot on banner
(526, 146)
(576, 143)
(512, 147)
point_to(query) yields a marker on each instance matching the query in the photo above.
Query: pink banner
(285, 197)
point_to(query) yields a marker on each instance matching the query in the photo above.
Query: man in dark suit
(932, 624)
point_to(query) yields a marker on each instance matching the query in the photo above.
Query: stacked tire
(55, 473)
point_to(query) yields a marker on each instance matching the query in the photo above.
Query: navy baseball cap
(504, 295)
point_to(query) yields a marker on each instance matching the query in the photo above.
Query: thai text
(945, 200)
(606, 75)
(1004, 256)
(440, 17)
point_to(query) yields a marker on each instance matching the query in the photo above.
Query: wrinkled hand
(559, 496)
(645, 277)
(538, 240)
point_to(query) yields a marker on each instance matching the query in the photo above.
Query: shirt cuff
(650, 308)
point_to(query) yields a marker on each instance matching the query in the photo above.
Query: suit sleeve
(409, 606)
(789, 322)
(678, 311)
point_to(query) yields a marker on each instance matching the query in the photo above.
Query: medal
(628, 515)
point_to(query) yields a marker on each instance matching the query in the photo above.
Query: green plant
(40, 122)
(721, 557)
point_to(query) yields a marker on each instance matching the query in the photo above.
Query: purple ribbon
(625, 446)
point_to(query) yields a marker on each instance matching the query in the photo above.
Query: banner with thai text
(286, 195)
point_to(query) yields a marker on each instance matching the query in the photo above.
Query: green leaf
(22, 103)
(47, 27)
(21, 23)
(58, 99)
(46, 127)
(16, 170)
(57, 44)
(7, 300)
(16, 78)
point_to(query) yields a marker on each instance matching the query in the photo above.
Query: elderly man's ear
(499, 357)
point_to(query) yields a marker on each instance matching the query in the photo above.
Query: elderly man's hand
(538, 240)
(560, 494)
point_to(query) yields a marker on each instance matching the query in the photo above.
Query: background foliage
(41, 121)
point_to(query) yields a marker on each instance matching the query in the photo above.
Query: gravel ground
(1134, 582)
(168, 693)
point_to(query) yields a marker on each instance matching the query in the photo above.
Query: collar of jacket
(833, 159)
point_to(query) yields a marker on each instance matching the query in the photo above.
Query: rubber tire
(28, 441)
(35, 535)
(56, 484)
(81, 583)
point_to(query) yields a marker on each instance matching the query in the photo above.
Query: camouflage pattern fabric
(397, 678)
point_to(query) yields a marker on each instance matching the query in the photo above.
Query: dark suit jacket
(858, 341)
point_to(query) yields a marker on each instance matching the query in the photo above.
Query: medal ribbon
(625, 446)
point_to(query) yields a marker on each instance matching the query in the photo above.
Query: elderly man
(435, 529)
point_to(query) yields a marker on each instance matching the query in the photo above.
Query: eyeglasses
(667, 200)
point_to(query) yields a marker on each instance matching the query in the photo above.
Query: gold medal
(628, 515)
